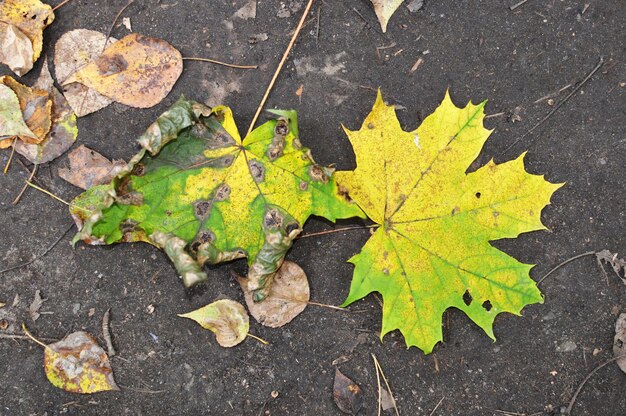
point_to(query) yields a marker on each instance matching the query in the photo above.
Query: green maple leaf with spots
(431, 251)
(204, 195)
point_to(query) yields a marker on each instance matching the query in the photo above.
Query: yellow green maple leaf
(431, 251)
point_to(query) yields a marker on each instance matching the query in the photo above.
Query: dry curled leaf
(137, 70)
(617, 264)
(16, 50)
(31, 17)
(73, 51)
(79, 365)
(11, 122)
(89, 168)
(288, 296)
(619, 342)
(226, 318)
(63, 132)
(35, 305)
(347, 394)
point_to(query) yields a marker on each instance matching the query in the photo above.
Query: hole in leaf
(467, 298)
(478, 195)
(487, 305)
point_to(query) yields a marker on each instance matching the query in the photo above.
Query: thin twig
(50, 194)
(324, 305)
(559, 105)
(106, 333)
(261, 340)
(516, 5)
(6, 167)
(437, 407)
(213, 61)
(280, 66)
(393, 401)
(115, 21)
(14, 336)
(29, 335)
(380, 389)
(63, 3)
(317, 26)
(580, 387)
(588, 253)
(30, 178)
(337, 230)
(40, 255)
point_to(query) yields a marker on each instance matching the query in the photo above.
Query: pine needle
(214, 61)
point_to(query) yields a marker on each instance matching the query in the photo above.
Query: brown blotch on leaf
(303, 186)
(487, 305)
(347, 394)
(467, 298)
(257, 170)
(138, 169)
(132, 198)
(227, 161)
(455, 211)
(223, 192)
(273, 219)
(281, 128)
(109, 65)
(275, 150)
(317, 174)
(202, 209)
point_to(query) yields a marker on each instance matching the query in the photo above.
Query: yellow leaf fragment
(29, 16)
(226, 318)
(79, 365)
(36, 107)
(137, 70)
(11, 122)
(16, 49)
(432, 250)
(384, 10)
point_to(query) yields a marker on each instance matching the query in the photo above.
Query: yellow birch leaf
(226, 318)
(432, 249)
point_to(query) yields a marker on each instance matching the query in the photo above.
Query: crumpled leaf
(137, 70)
(63, 132)
(35, 305)
(384, 10)
(11, 122)
(73, 51)
(36, 109)
(226, 318)
(89, 168)
(16, 50)
(619, 341)
(347, 394)
(204, 195)
(79, 365)
(287, 298)
(31, 17)
(432, 249)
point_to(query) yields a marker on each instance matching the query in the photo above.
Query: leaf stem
(63, 3)
(588, 253)
(214, 61)
(261, 340)
(29, 335)
(30, 178)
(337, 230)
(280, 66)
(6, 167)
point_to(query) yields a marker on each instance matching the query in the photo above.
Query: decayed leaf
(287, 298)
(384, 10)
(35, 305)
(137, 70)
(73, 51)
(36, 109)
(204, 195)
(63, 132)
(89, 168)
(79, 365)
(11, 122)
(16, 50)
(432, 249)
(31, 17)
(619, 341)
(347, 394)
(226, 318)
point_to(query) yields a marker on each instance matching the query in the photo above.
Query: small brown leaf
(288, 296)
(347, 394)
(137, 70)
(619, 342)
(89, 168)
(79, 365)
(33, 309)
(74, 50)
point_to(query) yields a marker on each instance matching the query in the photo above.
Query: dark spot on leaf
(128, 227)
(292, 227)
(304, 186)
(455, 210)
(257, 170)
(386, 271)
(281, 128)
(370, 126)
(205, 236)
(109, 65)
(273, 219)
(227, 161)
(487, 305)
(478, 195)
(202, 209)
(138, 170)
(223, 192)
(467, 298)
(317, 174)
(168, 212)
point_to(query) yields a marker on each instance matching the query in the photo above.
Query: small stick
(63, 3)
(559, 105)
(437, 407)
(114, 21)
(580, 387)
(106, 333)
(6, 168)
(30, 178)
(50, 194)
(380, 389)
(337, 230)
(41, 255)
(516, 5)
(588, 253)
(280, 66)
(213, 61)
(495, 115)
(393, 401)
(261, 340)
(317, 26)
(13, 336)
